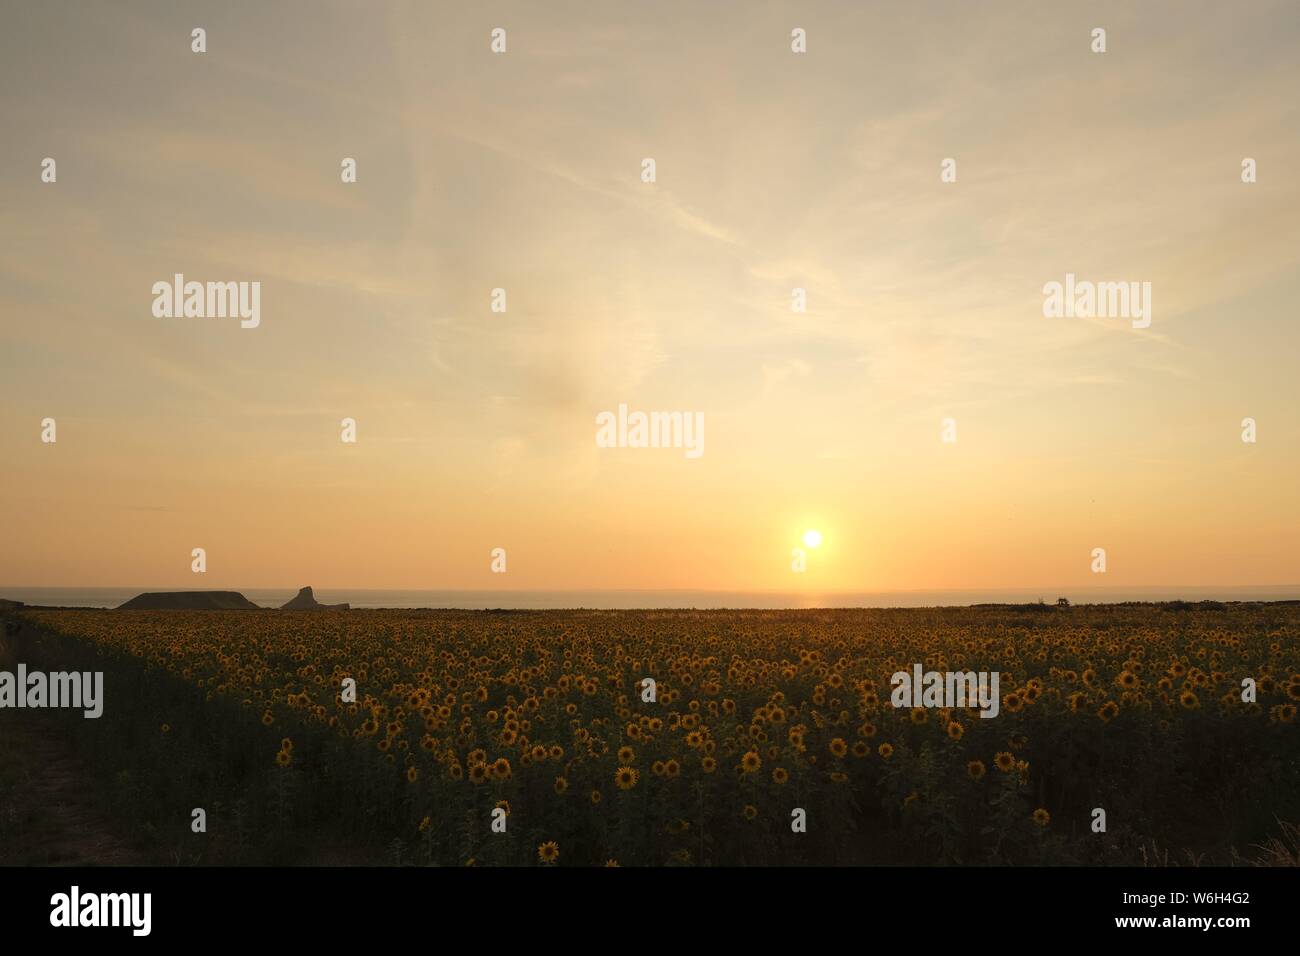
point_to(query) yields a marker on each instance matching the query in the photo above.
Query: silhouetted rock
(306, 601)
(189, 601)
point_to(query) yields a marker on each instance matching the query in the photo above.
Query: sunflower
(780, 775)
(975, 769)
(548, 852)
(1042, 817)
(708, 764)
(625, 778)
(672, 768)
(1189, 700)
(412, 775)
(885, 750)
(501, 769)
(478, 772)
(750, 812)
(1004, 761)
(283, 758)
(626, 754)
(561, 785)
(838, 747)
(750, 762)
(1109, 711)
(955, 730)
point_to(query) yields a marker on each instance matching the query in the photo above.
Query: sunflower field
(1126, 734)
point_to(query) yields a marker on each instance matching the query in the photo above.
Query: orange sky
(774, 171)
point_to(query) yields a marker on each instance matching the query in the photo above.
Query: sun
(812, 537)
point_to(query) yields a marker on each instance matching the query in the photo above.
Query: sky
(774, 170)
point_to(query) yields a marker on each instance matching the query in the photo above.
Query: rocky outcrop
(306, 601)
(189, 601)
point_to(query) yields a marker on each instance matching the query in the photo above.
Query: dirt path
(50, 816)
(49, 811)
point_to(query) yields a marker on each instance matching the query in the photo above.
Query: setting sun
(812, 537)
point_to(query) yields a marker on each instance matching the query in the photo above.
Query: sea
(657, 599)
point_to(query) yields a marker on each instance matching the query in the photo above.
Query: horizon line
(699, 590)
